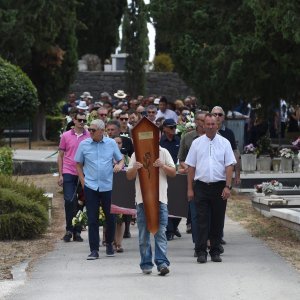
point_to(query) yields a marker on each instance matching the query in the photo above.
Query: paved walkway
(249, 270)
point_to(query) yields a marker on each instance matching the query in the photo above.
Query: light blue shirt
(97, 159)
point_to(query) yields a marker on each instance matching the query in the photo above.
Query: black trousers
(210, 213)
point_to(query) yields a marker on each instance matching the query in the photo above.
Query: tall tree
(135, 43)
(98, 31)
(39, 36)
(227, 49)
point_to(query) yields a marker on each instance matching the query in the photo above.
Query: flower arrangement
(268, 187)
(287, 153)
(81, 218)
(184, 127)
(249, 149)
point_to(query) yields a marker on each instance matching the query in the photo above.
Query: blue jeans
(93, 200)
(160, 258)
(70, 183)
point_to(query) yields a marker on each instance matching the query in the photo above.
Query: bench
(21, 130)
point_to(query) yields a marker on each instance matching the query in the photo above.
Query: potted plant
(287, 156)
(248, 158)
(265, 151)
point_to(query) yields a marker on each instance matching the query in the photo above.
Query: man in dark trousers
(210, 162)
(171, 142)
(228, 134)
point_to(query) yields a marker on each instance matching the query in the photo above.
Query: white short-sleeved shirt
(166, 158)
(210, 157)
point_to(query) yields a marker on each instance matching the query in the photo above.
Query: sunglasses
(81, 120)
(124, 119)
(151, 112)
(92, 130)
(103, 115)
(218, 114)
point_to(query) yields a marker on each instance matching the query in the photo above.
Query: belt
(212, 183)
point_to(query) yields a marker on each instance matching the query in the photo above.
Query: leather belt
(212, 183)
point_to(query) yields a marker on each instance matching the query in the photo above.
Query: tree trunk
(39, 125)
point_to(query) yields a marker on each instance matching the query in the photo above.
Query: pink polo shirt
(69, 143)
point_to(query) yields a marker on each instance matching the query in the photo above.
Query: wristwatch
(229, 187)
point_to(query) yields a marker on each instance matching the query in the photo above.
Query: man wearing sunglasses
(228, 134)
(68, 177)
(102, 114)
(95, 169)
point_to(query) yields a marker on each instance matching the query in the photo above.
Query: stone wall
(167, 84)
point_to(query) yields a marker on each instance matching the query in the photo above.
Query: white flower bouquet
(287, 153)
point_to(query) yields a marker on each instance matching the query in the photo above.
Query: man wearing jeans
(68, 177)
(95, 169)
(166, 168)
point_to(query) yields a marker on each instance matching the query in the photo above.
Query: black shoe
(223, 242)
(188, 228)
(177, 233)
(202, 259)
(216, 258)
(110, 250)
(170, 237)
(164, 271)
(221, 249)
(77, 237)
(67, 237)
(127, 235)
(94, 255)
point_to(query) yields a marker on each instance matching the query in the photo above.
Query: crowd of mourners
(193, 140)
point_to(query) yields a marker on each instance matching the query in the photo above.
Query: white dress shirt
(210, 157)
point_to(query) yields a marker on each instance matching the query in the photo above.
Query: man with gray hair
(151, 111)
(95, 169)
(228, 134)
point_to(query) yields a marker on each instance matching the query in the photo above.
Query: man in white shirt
(164, 112)
(210, 162)
(166, 168)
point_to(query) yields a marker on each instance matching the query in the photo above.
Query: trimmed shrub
(20, 216)
(24, 188)
(6, 161)
(163, 63)
(18, 96)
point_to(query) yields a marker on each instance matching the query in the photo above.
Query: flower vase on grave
(264, 163)
(276, 161)
(286, 165)
(248, 162)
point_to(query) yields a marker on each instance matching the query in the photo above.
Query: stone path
(250, 270)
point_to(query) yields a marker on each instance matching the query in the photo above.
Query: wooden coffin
(145, 136)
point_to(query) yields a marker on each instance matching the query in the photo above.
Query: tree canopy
(135, 43)
(98, 30)
(39, 36)
(231, 49)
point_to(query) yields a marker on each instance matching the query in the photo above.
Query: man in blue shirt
(95, 169)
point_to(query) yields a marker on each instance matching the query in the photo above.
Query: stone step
(289, 217)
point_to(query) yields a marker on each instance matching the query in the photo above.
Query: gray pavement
(250, 270)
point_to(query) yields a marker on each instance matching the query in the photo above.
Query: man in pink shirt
(68, 177)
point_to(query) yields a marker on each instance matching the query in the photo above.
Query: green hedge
(6, 161)
(20, 217)
(26, 189)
